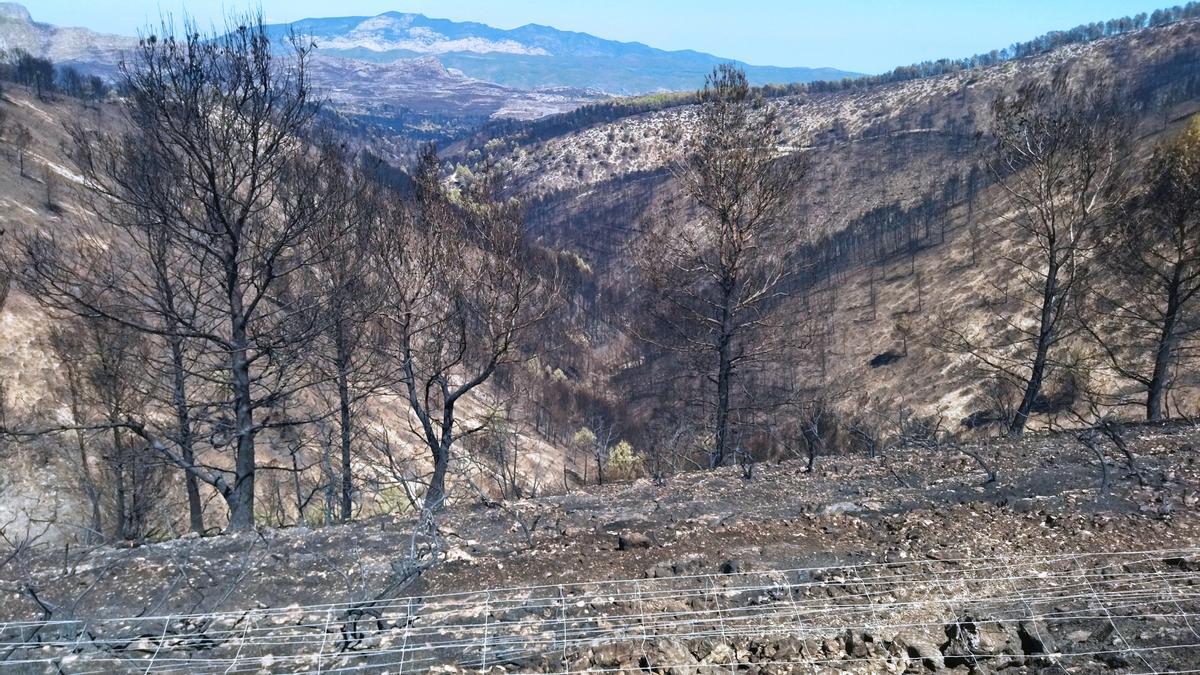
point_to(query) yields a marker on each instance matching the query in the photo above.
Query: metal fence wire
(1144, 604)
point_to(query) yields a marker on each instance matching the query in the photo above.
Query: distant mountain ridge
(420, 84)
(532, 56)
(395, 61)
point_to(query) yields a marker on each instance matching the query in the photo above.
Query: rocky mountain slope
(425, 87)
(396, 66)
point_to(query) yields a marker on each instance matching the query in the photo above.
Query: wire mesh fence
(1137, 611)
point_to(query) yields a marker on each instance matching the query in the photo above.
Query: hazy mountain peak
(81, 47)
(14, 12)
(398, 32)
(393, 20)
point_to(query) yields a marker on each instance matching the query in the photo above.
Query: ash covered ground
(910, 562)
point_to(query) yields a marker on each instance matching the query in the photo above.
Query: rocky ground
(904, 563)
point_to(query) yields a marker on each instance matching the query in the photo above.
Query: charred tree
(719, 275)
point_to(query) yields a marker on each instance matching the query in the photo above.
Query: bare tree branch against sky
(866, 36)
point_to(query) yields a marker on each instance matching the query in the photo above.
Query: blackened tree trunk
(185, 434)
(90, 488)
(241, 500)
(345, 418)
(724, 380)
(122, 531)
(1045, 338)
(1168, 340)
(435, 496)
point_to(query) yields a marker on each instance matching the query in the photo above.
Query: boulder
(973, 640)
(671, 657)
(1035, 638)
(721, 654)
(688, 565)
(855, 646)
(922, 648)
(627, 541)
(841, 507)
(616, 654)
(1081, 635)
(659, 571)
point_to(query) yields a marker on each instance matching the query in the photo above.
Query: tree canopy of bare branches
(460, 289)
(208, 195)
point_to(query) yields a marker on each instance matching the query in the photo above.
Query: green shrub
(624, 462)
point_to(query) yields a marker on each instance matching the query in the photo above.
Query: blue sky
(859, 35)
